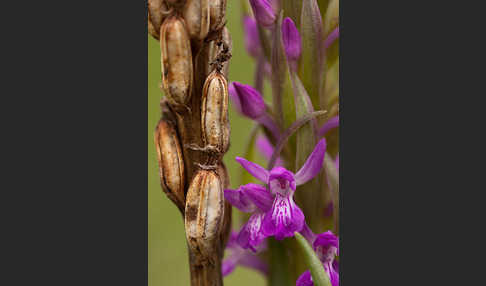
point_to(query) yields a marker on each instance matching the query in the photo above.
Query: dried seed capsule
(171, 162)
(204, 214)
(176, 60)
(151, 29)
(217, 11)
(196, 15)
(214, 113)
(158, 11)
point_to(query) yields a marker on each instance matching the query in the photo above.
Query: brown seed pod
(204, 215)
(214, 113)
(158, 11)
(176, 3)
(151, 29)
(229, 44)
(171, 162)
(217, 11)
(196, 14)
(176, 61)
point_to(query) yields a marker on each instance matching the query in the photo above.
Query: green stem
(279, 265)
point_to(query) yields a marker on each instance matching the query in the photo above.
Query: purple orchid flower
(252, 38)
(240, 256)
(250, 198)
(326, 246)
(266, 149)
(264, 12)
(292, 42)
(249, 102)
(282, 217)
(332, 123)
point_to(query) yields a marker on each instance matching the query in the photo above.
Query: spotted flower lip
(284, 217)
(291, 39)
(264, 12)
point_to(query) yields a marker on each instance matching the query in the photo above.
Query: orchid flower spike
(264, 12)
(282, 216)
(240, 256)
(326, 246)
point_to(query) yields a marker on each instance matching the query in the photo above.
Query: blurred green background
(167, 253)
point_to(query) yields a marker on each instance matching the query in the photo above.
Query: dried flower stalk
(193, 134)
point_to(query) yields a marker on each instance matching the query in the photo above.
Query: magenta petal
(313, 164)
(234, 97)
(331, 38)
(251, 234)
(326, 239)
(252, 38)
(252, 104)
(291, 39)
(281, 181)
(259, 196)
(305, 279)
(330, 124)
(263, 11)
(254, 262)
(283, 219)
(255, 170)
(308, 234)
(239, 200)
(264, 147)
(228, 266)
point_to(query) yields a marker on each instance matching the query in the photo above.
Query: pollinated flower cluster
(295, 44)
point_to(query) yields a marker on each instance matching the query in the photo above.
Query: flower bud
(264, 12)
(217, 11)
(291, 39)
(157, 10)
(214, 113)
(250, 100)
(204, 214)
(176, 59)
(252, 38)
(171, 162)
(196, 15)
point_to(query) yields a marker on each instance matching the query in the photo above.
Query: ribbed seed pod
(214, 113)
(151, 28)
(176, 61)
(196, 15)
(204, 214)
(171, 162)
(217, 11)
(158, 11)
